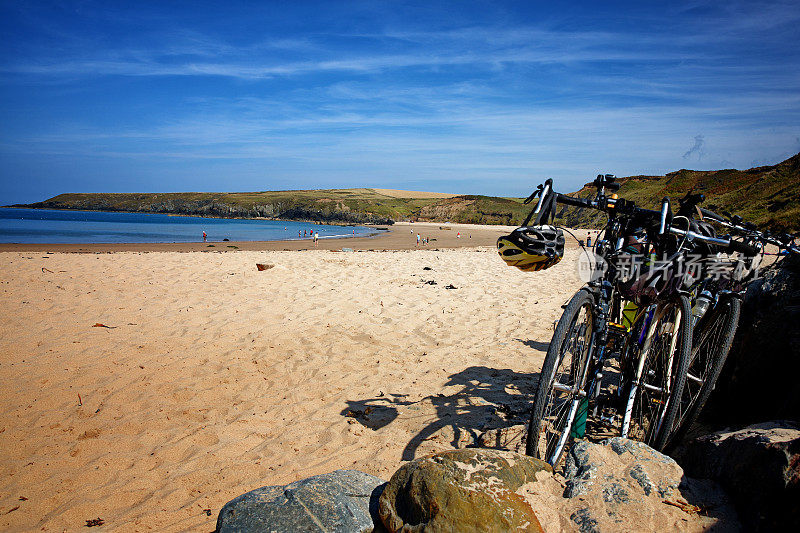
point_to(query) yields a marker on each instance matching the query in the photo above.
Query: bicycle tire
(550, 424)
(710, 348)
(652, 401)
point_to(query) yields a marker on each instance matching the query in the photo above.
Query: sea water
(83, 227)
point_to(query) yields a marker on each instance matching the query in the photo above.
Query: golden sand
(147, 388)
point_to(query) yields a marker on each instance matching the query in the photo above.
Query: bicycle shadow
(486, 398)
(536, 345)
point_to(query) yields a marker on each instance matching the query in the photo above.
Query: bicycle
(716, 307)
(652, 349)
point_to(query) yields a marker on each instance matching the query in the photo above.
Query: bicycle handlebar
(742, 248)
(730, 244)
(663, 217)
(749, 230)
(712, 215)
(573, 201)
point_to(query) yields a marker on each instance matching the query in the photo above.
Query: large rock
(624, 485)
(462, 490)
(511, 438)
(344, 500)
(759, 466)
(759, 381)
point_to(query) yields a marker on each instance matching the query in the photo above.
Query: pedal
(617, 329)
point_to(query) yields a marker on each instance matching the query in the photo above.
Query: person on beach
(589, 240)
(417, 239)
(205, 237)
(316, 236)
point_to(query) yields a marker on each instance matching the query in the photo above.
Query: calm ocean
(51, 226)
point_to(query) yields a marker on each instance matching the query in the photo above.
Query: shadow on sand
(485, 398)
(536, 345)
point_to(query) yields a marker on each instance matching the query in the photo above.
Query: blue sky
(464, 97)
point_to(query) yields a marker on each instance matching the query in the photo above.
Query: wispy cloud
(475, 100)
(696, 149)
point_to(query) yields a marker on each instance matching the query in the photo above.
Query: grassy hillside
(379, 206)
(768, 196)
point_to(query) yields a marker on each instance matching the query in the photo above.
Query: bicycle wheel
(652, 401)
(561, 381)
(711, 341)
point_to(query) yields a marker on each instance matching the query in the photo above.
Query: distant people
(316, 236)
(417, 239)
(205, 237)
(458, 235)
(304, 233)
(298, 234)
(589, 240)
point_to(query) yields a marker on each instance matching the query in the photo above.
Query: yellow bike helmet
(532, 248)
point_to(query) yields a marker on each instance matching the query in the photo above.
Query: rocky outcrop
(759, 381)
(616, 485)
(216, 208)
(462, 490)
(759, 466)
(624, 485)
(343, 501)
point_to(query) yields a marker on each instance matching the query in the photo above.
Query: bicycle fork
(580, 394)
(654, 317)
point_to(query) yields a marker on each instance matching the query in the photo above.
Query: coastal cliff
(768, 196)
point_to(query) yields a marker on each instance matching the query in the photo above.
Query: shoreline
(189, 215)
(400, 236)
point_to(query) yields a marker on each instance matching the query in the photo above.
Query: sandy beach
(148, 389)
(400, 236)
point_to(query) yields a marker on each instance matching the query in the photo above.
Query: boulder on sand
(343, 501)
(511, 438)
(759, 466)
(462, 490)
(624, 485)
(759, 380)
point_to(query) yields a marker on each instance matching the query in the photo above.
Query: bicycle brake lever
(534, 194)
